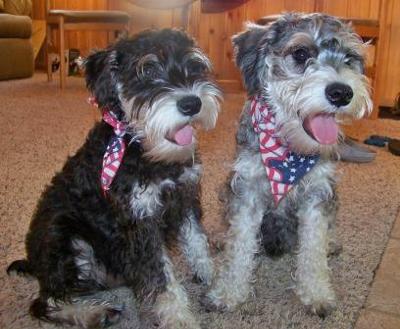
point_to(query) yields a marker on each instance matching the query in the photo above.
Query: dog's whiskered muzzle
(189, 105)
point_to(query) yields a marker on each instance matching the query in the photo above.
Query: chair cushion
(91, 16)
(18, 7)
(16, 58)
(12, 26)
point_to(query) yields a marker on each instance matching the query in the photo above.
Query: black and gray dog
(131, 190)
(304, 75)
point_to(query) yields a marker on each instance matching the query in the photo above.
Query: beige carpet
(40, 126)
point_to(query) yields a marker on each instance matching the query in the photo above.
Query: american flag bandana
(284, 168)
(115, 150)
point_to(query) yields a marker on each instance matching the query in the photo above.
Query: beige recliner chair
(16, 51)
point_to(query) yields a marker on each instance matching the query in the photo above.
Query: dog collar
(284, 168)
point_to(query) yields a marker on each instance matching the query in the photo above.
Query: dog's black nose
(339, 94)
(189, 105)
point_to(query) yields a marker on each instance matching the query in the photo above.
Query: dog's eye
(196, 68)
(301, 55)
(353, 59)
(348, 61)
(150, 71)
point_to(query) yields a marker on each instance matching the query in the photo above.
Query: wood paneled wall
(389, 67)
(214, 31)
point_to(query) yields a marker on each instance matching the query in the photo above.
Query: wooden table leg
(47, 53)
(62, 52)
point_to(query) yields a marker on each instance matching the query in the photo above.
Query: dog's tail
(19, 267)
(279, 234)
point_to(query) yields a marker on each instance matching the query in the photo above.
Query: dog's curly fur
(81, 241)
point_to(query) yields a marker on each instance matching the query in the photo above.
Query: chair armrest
(12, 26)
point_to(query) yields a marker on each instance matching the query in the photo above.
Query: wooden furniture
(185, 5)
(370, 32)
(67, 20)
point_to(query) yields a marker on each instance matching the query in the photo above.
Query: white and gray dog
(109, 217)
(304, 75)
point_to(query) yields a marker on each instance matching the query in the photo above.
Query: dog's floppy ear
(100, 72)
(246, 55)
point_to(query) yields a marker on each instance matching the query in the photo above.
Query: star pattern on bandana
(294, 167)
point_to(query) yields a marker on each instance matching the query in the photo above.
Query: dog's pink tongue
(323, 128)
(184, 136)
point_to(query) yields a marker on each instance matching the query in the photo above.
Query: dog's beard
(297, 98)
(160, 120)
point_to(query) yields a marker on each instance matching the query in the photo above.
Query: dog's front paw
(322, 308)
(220, 301)
(320, 299)
(173, 312)
(225, 297)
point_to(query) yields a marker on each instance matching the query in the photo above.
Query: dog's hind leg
(194, 245)
(73, 293)
(312, 275)
(89, 311)
(172, 305)
(245, 212)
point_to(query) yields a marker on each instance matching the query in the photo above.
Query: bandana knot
(284, 168)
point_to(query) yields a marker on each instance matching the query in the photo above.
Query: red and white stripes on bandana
(284, 168)
(115, 150)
